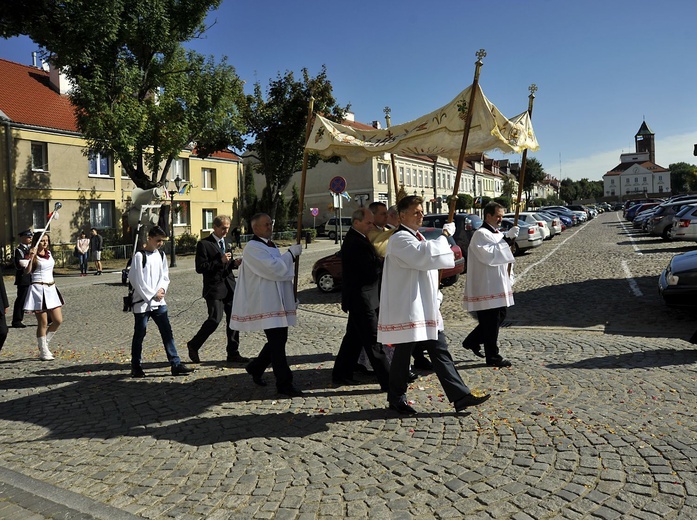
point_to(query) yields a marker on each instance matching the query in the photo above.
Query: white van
(331, 228)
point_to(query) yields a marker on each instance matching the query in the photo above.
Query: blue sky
(601, 67)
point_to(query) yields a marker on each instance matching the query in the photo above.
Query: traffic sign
(314, 211)
(337, 185)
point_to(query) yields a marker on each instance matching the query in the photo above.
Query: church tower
(644, 141)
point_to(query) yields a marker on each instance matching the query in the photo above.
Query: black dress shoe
(137, 373)
(502, 363)
(257, 378)
(181, 370)
(361, 368)
(291, 391)
(470, 400)
(341, 381)
(237, 358)
(413, 376)
(193, 354)
(19, 325)
(476, 349)
(403, 408)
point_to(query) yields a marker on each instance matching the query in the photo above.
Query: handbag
(76, 251)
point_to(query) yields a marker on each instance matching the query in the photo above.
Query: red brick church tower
(644, 140)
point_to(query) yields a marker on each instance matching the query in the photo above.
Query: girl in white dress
(43, 298)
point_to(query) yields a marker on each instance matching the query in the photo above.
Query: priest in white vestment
(264, 300)
(488, 288)
(409, 307)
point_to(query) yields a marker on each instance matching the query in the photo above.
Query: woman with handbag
(82, 252)
(43, 299)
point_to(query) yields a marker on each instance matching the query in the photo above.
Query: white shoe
(44, 353)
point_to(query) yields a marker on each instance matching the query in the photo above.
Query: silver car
(528, 237)
(685, 224)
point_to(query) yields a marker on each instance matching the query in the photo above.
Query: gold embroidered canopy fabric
(438, 133)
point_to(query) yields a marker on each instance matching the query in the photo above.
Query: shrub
(186, 243)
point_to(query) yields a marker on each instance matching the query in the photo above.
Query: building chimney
(33, 59)
(59, 81)
(376, 125)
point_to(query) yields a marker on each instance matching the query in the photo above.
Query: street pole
(173, 253)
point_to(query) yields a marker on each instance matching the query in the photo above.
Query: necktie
(221, 244)
(420, 236)
(270, 243)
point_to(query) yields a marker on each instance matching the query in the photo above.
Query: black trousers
(216, 309)
(18, 310)
(443, 365)
(3, 329)
(274, 353)
(487, 332)
(361, 333)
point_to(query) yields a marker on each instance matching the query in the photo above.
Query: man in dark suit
(360, 297)
(215, 263)
(4, 307)
(22, 279)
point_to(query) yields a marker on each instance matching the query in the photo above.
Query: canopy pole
(388, 122)
(481, 53)
(298, 238)
(521, 178)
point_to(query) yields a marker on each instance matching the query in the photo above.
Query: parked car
(465, 226)
(641, 219)
(529, 236)
(685, 224)
(553, 222)
(677, 284)
(331, 227)
(580, 207)
(638, 208)
(326, 273)
(661, 223)
(562, 211)
(534, 220)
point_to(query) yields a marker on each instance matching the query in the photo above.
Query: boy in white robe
(488, 288)
(264, 300)
(409, 308)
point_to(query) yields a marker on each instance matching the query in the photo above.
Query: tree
(683, 177)
(139, 96)
(534, 174)
(277, 124)
(568, 190)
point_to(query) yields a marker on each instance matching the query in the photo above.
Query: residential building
(637, 174)
(44, 159)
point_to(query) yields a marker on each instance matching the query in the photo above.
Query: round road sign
(314, 211)
(337, 185)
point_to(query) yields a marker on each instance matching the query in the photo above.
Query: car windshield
(430, 233)
(686, 210)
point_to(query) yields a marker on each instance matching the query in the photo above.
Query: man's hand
(226, 257)
(296, 250)
(513, 233)
(449, 229)
(160, 294)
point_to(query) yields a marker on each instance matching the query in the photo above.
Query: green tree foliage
(534, 174)
(464, 201)
(506, 202)
(568, 191)
(683, 177)
(294, 204)
(139, 96)
(277, 124)
(509, 187)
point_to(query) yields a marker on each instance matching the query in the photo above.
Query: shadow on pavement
(646, 359)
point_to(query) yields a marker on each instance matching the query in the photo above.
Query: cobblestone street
(596, 418)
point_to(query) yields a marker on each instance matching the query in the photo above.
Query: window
(99, 164)
(401, 174)
(421, 178)
(208, 216)
(39, 214)
(660, 177)
(181, 213)
(408, 177)
(102, 214)
(39, 157)
(382, 173)
(208, 178)
(612, 181)
(180, 168)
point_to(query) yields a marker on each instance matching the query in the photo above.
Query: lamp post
(173, 253)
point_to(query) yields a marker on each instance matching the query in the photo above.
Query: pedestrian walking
(264, 300)
(488, 288)
(237, 235)
(4, 307)
(82, 249)
(215, 262)
(96, 246)
(410, 308)
(149, 277)
(43, 299)
(22, 278)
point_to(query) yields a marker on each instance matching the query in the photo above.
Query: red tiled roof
(27, 98)
(221, 154)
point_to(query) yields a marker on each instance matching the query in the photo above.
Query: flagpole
(388, 122)
(298, 238)
(481, 53)
(521, 178)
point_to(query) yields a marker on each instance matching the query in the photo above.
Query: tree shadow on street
(643, 359)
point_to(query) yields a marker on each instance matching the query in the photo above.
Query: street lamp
(173, 253)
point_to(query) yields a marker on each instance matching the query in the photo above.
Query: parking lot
(596, 418)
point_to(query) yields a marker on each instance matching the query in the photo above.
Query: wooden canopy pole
(308, 129)
(521, 178)
(481, 53)
(388, 122)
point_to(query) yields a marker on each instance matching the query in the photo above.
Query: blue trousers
(161, 319)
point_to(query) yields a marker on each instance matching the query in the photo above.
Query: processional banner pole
(388, 122)
(521, 178)
(308, 129)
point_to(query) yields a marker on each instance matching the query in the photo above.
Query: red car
(326, 272)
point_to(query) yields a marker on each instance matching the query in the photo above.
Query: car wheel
(325, 282)
(332, 235)
(447, 282)
(667, 233)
